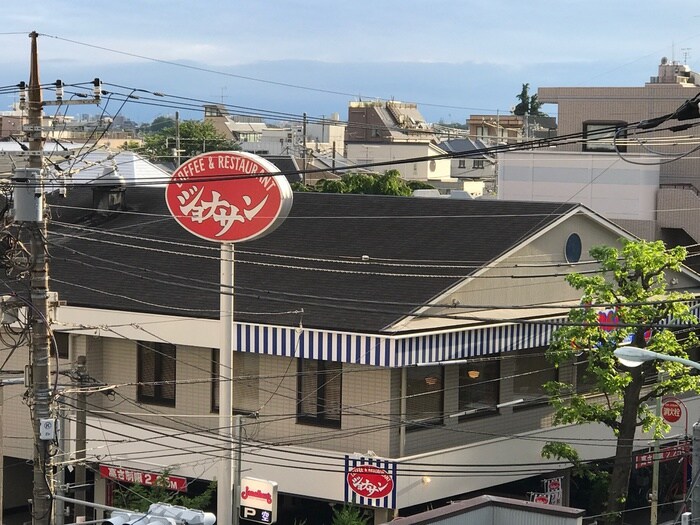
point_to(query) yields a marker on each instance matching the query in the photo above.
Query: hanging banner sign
(370, 481)
(228, 196)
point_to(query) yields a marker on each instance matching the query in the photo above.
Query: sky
(451, 57)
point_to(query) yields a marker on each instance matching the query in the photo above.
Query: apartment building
(607, 116)
(394, 135)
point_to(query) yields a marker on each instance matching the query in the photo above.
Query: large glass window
(156, 373)
(530, 372)
(479, 386)
(424, 395)
(246, 373)
(604, 136)
(319, 392)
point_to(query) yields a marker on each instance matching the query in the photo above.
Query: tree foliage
(349, 515)
(195, 137)
(633, 284)
(528, 105)
(388, 183)
(139, 497)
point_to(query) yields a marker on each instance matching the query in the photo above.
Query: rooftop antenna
(686, 54)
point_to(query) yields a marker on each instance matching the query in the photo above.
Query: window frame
(489, 376)
(414, 424)
(159, 382)
(216, 383)
(60, 345)
(551, 369)
(596, 145)
(323, 369)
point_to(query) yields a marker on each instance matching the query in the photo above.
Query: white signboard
(258, 500)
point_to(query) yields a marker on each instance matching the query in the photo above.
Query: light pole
(632, 356)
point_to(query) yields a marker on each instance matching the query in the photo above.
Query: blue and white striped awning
(392, 350)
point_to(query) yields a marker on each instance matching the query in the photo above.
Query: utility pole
(303, 131)
(695, 504)
(80, 435)
(2, 450)
(654, 509)
(39, 286)
(177, 139)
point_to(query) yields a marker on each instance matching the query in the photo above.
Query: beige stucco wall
(628, 104)
(366, 391)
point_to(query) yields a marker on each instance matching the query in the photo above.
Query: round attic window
(572, 250)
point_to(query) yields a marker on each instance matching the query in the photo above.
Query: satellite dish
(664, 61)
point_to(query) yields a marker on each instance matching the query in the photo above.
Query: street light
(632, 356)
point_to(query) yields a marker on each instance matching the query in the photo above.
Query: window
(424, 395)
(246, 372)
(156, 373)
(478, 164)
(604, 136)
(479, 386)
(530, 372)
(319, 392)
(59, 344)
(462, 163)
(573, 248)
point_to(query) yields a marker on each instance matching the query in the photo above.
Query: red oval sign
(671, 411)
(228, 196)
(541, 499)
(370, 482)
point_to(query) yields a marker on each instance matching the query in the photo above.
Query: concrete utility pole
(177, 139)
(303, 131)
(35, 221)
(80, 435)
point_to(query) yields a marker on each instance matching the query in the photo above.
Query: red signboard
(370, 482)
(667, 454)
(139, 477)
(671, 411)
(228, 196)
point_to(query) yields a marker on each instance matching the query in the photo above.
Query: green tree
(139, 497)
(160, 123)
(195, 137)
(529, 105)
(130, 145)
(633, 279)
(389, 183)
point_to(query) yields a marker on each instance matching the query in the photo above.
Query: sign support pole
(228, 197)
(225, 500)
